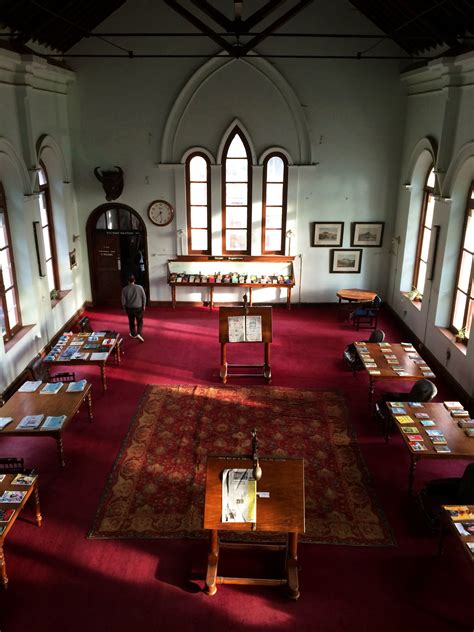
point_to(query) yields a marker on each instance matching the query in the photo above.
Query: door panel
(107, 273)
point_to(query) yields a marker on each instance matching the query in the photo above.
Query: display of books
(12, 497)
(4, 421)
(23, 479)
(53, 423)
(29, 387)
(76, 387)
(6, 515)
(30, 422)
(51, 388)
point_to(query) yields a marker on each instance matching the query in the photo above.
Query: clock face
(160, 212)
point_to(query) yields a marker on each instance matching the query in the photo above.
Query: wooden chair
(40, 371)
(351, 357)
(11, 465)
(367, 314)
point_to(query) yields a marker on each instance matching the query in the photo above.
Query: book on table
(30, 422)
(442, 449)
(4, 421)
(100, 355)
(6, 515)
(51, 388)
(450, 405)
(23, 479)
(76, 387)
(465, 528)
(470, 547)
(459, 512)
(29, 386)
(54, 422)
(12, 497)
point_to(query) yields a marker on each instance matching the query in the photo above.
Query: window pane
(198, 169)
(425, 245)
(273, 217)
(237, 148)
(273, 240)
(236, 217)
(125, 219)
(11, 309)
(6, 268)
(47, 244)
(469, 238)
(111, 219)
(3, 230)
(274, 194)
(199, 216)
(2, 321)
(465, 272)
(42, 177)
(101, 222)
(198, 239)
(236, 194)
(198, 193)
(236, 239)
(459, 306)
(275, 169)
(469, 318)
(429, 212)
(431, 179)
(44, 214)
(236, 170)
(420, 283)
(49, 271)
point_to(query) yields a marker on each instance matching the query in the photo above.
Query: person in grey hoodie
(134, 302)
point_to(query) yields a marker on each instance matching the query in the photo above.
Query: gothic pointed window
(10, 320)
(237, 195)
(198, 204)
(275, 187)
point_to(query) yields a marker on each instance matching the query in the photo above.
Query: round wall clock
(161, 212)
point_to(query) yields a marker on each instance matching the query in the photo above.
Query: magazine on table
(76, 387)
(4, 421)
(12, 497)
(6, 515)
(465, 528)
(100, 355)
(23, 479)
(30, 422)
(29, 386)
(51, 388)
(54, 422)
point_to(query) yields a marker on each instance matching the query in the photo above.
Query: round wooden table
(354, 295)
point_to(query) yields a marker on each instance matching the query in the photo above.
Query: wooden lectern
(265, 313)
(282, 511)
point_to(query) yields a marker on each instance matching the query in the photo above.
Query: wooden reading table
(62, 403)
(81, 343)
(411, 364)
(460, 445)
(6, 527)
(353, 296)
(265, 313)
(282, 511)
(454, 514)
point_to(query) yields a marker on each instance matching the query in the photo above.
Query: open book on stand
(239, 496)
(245, 328)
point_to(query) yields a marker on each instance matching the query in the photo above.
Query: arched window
(463, 300)
(424, 233)
(275, 188)
(47, 227)
(236, 194)
(198, 204)
(10, 321)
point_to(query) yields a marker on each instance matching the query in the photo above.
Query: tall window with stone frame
(10, 318)
(275, 197)
(236, 195)
(198, 204)
(463, 300)
(424, 234)
(47, 228)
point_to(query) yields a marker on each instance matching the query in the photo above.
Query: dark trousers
(135, 320)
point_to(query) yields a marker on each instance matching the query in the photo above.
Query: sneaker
(132, 336)
(140, 337)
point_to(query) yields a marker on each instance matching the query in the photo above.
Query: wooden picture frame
(367, 234)
(72, 259)
(345, 261)
(327, 234)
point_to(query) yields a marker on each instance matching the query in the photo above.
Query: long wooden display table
(231, 272)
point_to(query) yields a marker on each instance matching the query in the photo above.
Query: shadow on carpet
(156, 488)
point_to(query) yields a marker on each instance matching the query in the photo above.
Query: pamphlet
(6, 514)
(53, 423)
(76, 387)
(4, 421)
(239, 496)
(23, 479)
(29, 387)
(30, 422)
(51, 388)
(12, 497)
(99, 355)
(245, 328)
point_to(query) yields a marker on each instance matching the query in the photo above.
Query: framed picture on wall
(328, 234)
(367, 234)
(345, 261)
(72, 259)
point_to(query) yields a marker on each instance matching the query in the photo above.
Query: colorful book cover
(80, 355)
(23, 479)
(53, 423)
(421, 415)
(451, 405)
(4, 421)
(12, 497)
(469, 432)
(465, 528)
(30, 422)
(428, 374)
(415, 404)
(470, 547)
(395, 404)
(374, 372)
(417, 446)
(398, 411)
(101, 355)
(409, 429)
(427, 422)
(76, 387)
(438, 440)
(460, 512)
(442, 449)
(51, 388)
(405, 419)
(6, 515)
(414, 437)
(29, 386)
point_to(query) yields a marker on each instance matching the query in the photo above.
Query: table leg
(288, 299)
(118, 351)
(267, 370)
(103, 378)
(223, 372)
(292, 566)
(211, 301)
(212, 560)
(89, 406)
(173, 296)
(411, 474)
(59, 443)
(250, 296)
(371, 390)
(39, 517)
(3, 567)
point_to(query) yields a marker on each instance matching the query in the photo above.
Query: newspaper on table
(239, 497)
(245, 328)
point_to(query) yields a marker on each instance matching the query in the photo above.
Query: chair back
(377, 302)
(11, 465)
(466, 486)
(423, 391)
(377, 336)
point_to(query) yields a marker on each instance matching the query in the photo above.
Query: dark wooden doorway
(117, 244)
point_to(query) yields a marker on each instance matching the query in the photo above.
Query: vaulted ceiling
(419, 27)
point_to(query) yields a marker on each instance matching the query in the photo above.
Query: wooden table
(453, 514)
(5, 485)
(283, 511)
(461, 446)
(353, 296)
(21, 404)
(55, 357)
(265, 313)
(411, 370)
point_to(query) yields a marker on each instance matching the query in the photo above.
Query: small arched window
(198, 204)
(10, 321)
(236, 195)
(463, 300)
(424, 233)
(275, 196)
(47, 228)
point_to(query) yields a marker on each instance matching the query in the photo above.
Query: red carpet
(61, 581)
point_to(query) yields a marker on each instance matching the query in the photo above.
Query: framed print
(346, 261)
(367, 234)
(72, 259)
(328, 234)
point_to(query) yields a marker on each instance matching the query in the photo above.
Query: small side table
(352, 296)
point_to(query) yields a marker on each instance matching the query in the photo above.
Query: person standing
(134, 302)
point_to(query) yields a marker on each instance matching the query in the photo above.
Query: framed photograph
(345, 261)
(72, 259)
(367, 234)
(328, 234)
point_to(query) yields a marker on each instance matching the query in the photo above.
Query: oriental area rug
(156, 488)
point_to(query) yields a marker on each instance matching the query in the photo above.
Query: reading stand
(250, 327)
(280, 510)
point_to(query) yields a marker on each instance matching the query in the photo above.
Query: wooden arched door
(117, 245)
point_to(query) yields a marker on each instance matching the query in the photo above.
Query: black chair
(367, 314)
(351, 357)
(446, 491)
(40, 372)
(11, 465)
(422, 391)
(84, 325)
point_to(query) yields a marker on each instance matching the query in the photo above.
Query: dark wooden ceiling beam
(214, 14)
